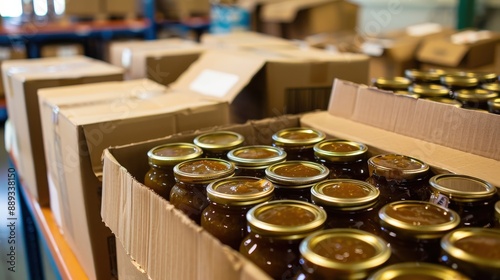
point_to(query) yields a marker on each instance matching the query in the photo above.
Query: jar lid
(298, 136)
(424, 76)
(397, 167)
(494, 104)
(407, 94)
(296, 173)
(478, 246)
(347, 251)
(240, 191)
(491, 87)
(344, 194)
(287, 219)
(394, 83)
(219, 140)
(459, 80)
(430, 90)
(460, 188)
(256, 156)
(474, 95)
(203, 170)
(418, 219)
(173, 153)
(338, 150)
(445, 100)
(484, 77)
(417, 270)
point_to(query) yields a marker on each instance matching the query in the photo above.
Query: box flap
(441, 51)
(215, 80)
(286, 11)
(243, 39)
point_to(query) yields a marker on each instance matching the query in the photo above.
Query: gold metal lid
(397, 167)
(424, 76)
(458, 80)
(483, 252)
(395, 83)
(298, 136)
(474, 95)
(259, 156)
(491, 87)
(338, 150)
(460, 188)
(317, 248)
(219, 140)
(240, 191)
(417, 270)
(418, 219)
(494, 104)
(484, 77)
(430, 90)
(406, 94)
(445, 100)
(287, 219)
(296, 174)
(203, 170)
(173, 153)
(344, 194)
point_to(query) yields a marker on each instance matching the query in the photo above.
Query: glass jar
(294, 179)
(497, 215)
(217, 144)
(253, 160)
(348, 203)
(445, 100)
(414, 229)
(417, 271)
(399, 177)
(430, 90)
(276, 230)
(341, 254)
(494, 106)
(392, 84)
(484, 77)
(162, 160)
(494, 87)
(474, 98)
(473, 251)
(298, 142)
(192, 177)
(459, 80)
(230, 199)
(345, 159)
(423, 77)
(472, 198)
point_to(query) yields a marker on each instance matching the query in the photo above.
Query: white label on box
(214, 83)
(126, 58)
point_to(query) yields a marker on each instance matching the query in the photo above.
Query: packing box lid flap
(220, 75)
(286, 11)
(442, 52)
(243, 38)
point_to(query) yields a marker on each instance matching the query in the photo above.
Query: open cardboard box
(79, 122)
(164, 244)
(22, 79)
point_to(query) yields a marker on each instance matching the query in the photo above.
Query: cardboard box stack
(22, 79)
(102, 9)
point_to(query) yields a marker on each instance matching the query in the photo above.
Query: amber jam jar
(423, 77)
(392, 84)
(473, 251)
(230, 199)
(162, 160)
(472, 198)
(430, 90)
(445, 100)
(217, 144)
(341, 254)
(192, 177)
(399, 177)
(298, 142)
(253, 160)
(497, 215)
(494, 106)
(417, 271)
(348, 203)
(414, 229)
(294, 179)
(474, 98)
(344, 159)
(276, 230)
(459, 80)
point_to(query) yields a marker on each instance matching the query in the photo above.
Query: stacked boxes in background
(7, 53)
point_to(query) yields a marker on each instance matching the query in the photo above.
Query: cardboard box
(160, 60)
(79, 122)
(244, 39)
(22, 80)
(62, 50)
(8, 53)
(128, 268)
(91, 8)
(183, 9)
(297, 19)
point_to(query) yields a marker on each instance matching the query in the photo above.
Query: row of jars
(471, 90)
(221, 206)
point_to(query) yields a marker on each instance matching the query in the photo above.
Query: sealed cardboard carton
(91, 8)
(79, 122)
(60, 50)
(183, 9)
(22, 80)
(8, 53)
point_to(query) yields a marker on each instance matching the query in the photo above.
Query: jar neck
(400, 182)
(161, 167)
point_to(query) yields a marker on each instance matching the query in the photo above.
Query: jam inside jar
(162, 160)
(192, 177)
(217, 144)
(345, 159)
(253, 160)
(298, 142)
(276, 230)
(399, 177)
